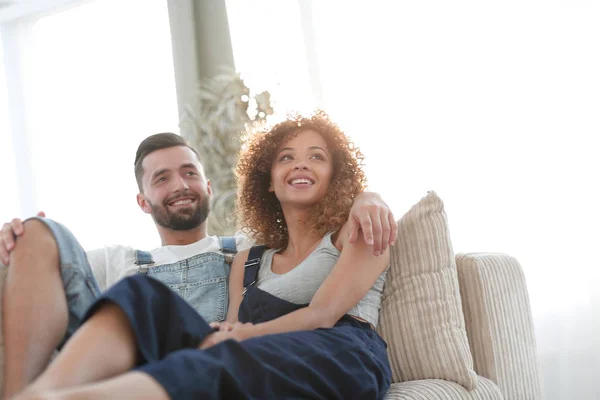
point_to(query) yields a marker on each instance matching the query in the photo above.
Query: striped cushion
(433, 389)
(421, 315)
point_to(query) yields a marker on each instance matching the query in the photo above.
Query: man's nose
(182, 184)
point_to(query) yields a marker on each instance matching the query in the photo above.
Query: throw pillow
(421, 316)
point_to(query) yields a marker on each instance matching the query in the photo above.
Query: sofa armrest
(437, 389)
(499, 322)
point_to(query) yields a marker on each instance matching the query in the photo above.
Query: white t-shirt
(112, 263)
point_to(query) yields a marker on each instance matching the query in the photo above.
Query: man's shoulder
(209, 244)
(242, 241)
(110, 252)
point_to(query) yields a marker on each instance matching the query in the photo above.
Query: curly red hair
(258, 210)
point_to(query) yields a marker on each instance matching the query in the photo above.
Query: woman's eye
(318, 157)
(285, 157)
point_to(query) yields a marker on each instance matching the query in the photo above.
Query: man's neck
(171, 237)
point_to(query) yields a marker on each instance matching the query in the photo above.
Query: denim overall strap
(258, 305)
(252, 266)
(228, 248)
(228, 244)
(143, 259)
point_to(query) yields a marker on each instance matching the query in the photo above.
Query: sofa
(457, 326)
(500, 335)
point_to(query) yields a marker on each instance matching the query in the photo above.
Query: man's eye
(161, 179)
(192, 173)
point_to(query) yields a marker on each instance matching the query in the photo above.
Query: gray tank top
(301, 283)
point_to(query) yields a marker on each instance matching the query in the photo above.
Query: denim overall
(201, 280)
(348, 361)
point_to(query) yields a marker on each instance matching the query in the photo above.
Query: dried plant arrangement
(223, 108)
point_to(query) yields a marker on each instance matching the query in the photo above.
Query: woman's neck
(301, 241)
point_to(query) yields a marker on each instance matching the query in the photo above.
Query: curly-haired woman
(303, 305)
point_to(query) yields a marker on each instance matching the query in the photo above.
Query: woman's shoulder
(243, 255)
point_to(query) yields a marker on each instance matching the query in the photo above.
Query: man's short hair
(151, 144)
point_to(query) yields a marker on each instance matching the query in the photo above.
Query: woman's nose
(301, 165)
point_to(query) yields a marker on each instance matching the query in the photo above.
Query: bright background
(91, 94)
(494, 105)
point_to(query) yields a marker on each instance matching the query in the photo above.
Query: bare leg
(132, 385)
(102, 348)
(34, 308)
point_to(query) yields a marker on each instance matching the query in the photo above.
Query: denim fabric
(201, 280)
(81, 288)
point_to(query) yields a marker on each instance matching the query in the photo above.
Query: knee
(36, 238)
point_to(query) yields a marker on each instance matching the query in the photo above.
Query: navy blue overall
(348, 361)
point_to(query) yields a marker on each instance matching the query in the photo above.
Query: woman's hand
(225, 326)
(237, 331)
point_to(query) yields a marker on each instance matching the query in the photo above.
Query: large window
(495, 107)
(99, 80)
(270, 53)
(9, 204)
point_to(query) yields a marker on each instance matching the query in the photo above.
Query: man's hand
(372, 215)
(236, 331)
(9, 232)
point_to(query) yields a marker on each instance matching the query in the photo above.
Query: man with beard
(51, 280)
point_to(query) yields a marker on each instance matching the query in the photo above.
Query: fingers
(222, 326)
(389, 228)
(4, 251)
(354, 229)
(17, 226)
(376, 220)
(366, 226)
(209, 340)
(385, 230)
(379, 228)
(225, 327)
(226, 331)
(238, 325)
(7, 238)
(377, 232)
(393, 229)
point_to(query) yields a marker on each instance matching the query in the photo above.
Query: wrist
(248, 331)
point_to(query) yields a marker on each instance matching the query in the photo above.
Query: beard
(184, 219)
